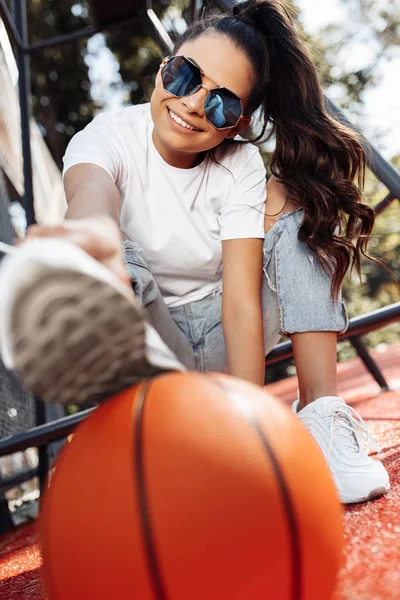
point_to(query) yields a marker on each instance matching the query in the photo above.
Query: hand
(98, 236)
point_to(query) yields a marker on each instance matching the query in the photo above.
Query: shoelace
(346, 422)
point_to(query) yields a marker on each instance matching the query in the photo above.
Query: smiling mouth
(181, 122)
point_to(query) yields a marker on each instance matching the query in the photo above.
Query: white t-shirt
(179, 217)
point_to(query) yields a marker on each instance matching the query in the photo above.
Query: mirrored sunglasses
(182, 77)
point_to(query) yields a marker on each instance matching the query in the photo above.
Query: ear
(241, 126)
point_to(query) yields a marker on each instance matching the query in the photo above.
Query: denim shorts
(295, 299)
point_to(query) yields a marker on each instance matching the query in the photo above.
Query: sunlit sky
(380, 118)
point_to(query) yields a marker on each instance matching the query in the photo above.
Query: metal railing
(358, 326)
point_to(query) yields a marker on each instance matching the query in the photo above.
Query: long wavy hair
(320, 161)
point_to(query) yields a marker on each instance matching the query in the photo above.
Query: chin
(183, 147)
(177, 142)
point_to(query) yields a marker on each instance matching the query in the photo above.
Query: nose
(195, 102)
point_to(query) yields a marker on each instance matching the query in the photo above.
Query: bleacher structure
(107, 15)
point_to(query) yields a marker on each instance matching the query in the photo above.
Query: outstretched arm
(92, 219)
(91, 192)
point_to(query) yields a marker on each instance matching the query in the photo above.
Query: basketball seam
(296, 592)
(145, 519)
(148, 536)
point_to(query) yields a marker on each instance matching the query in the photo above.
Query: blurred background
(355, 45)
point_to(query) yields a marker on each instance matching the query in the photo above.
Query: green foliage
(60, 83)
(139, 58)
(61, 87)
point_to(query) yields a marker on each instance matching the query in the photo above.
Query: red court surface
(372, 530)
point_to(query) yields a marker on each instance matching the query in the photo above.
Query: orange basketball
(191, 487)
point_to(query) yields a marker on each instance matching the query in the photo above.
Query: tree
(61, 87)
(60, 83)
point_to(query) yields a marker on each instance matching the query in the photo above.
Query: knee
(143, 282)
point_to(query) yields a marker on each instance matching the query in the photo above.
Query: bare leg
(315, 358)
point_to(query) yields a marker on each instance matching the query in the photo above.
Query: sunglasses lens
(180, 78)
(222, 109)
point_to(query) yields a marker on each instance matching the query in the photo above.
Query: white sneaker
(339, 431)
(71, 328)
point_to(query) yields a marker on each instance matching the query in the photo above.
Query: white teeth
(180, 121)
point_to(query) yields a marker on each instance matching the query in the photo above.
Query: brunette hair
(320, 161)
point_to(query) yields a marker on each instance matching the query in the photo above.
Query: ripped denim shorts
(295, 299)
(296, 290)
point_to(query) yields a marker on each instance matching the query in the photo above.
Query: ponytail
(320, 161)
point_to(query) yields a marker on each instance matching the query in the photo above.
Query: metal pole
(157, 28)
(24, 86)
(5, 516)
(383, 169)
(9, 24)
(369, 362)
(43, 434)
(162, 35)
(358, 326)
(383, 204)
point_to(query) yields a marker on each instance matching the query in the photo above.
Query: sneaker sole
(75, 339)
(377, 493)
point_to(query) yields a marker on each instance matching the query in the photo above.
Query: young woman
(220, 271)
